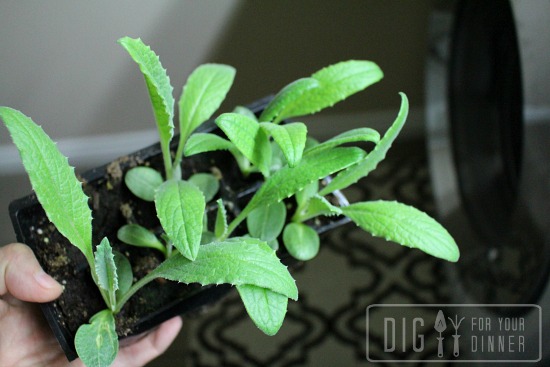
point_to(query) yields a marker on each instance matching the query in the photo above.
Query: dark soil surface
(113, 205)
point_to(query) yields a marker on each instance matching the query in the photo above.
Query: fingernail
(45, 280)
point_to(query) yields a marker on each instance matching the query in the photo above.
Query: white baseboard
(84, 152)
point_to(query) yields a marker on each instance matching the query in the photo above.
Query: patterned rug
(327, 327)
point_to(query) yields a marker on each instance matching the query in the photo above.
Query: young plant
(247, 263)
(202, 95)
(250, 137)
(290, 162)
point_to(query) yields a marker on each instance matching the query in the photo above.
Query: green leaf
(278, 159)
(301, 241)
(288, 181)
(105, 270)
(274, 244)
(143, 181)
(124, 273)
(316, 206)
(249, 138)
(97, 343)
(207, 237)
(206, 142)
(241, 110)
(207, 183)
(266, 222)
(336, 83)
(238, 261)
(202, 95)
(311, 142)
(266, 308)
(303, 196)
(362, 169)
(363, 134)
(220, 228)
(136, 235)
(53, 181)
(286, 99)
(158, 84)
(160, 91)
(405, 225)
(180, 206)
(291, 138)
(321, 206)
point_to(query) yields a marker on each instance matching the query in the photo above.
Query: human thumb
(23, 278)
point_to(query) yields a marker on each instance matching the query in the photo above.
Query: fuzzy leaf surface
(266, 222)
(301, 241)
(248, 137)
(238, 261)
(143, 181)
(206, 142)
(158, 85)
(97, 342)
(288, 181)
(316, 206)
(291, 138)
(136, 235)
(53, 180)
(336, 83)
(105, 267)
(287, 98)
(377, 155)
(405, 225)
(363, 134)
(180, 207)
(202, 95)
(266, 308)
(106, 272)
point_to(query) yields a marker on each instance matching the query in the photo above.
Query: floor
(327, 326)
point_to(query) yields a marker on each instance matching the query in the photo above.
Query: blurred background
(474, 152)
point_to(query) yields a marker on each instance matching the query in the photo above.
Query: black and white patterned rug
(327, 327)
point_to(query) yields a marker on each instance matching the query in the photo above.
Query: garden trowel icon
(440, 326)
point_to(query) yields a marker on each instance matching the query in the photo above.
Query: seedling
(290, 163)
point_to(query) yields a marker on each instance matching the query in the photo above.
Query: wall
(60, 65)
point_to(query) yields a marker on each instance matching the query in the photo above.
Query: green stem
(106, 297)
(297, 217)
(179, 152)
(167, 158)
(133, 289)
(104, 294)
(234, 224)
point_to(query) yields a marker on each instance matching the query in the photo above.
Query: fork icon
(456, 324)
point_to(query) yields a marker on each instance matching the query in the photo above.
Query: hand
(25, 338)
